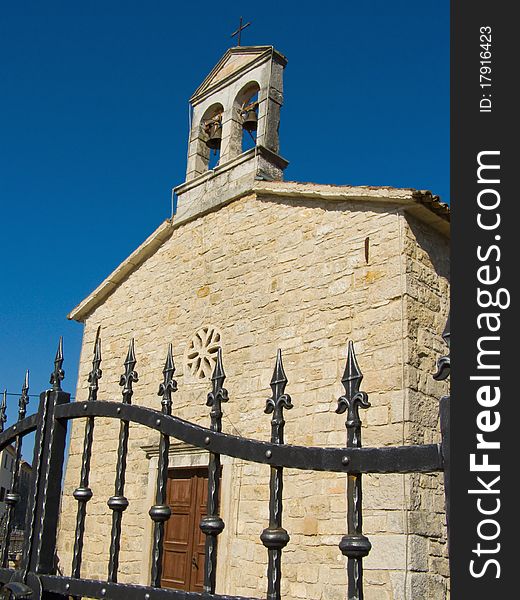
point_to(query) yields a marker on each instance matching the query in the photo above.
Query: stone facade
(304, 268)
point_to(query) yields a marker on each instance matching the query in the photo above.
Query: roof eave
(146, 249)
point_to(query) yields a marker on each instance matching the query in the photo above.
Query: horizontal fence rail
(93, 588)
(425, 458)
(21, 428)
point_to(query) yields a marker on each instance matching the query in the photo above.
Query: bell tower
(233, 139)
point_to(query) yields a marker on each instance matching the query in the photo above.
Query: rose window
(201, 354)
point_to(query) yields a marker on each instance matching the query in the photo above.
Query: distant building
(7, 463)
(6, 472)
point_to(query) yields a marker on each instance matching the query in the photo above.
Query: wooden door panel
(175, 570)
(181, 492)
(183, 560)
(177, 530)
(198, 574)
(199, 539)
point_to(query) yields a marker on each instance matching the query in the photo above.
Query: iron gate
(37, 577)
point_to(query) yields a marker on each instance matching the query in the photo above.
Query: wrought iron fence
(16, 541)
(37, 573)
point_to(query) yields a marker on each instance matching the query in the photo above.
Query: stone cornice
(152, 450)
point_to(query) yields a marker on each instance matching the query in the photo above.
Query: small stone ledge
(179, 448)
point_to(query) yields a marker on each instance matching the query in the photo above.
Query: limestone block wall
(295, 275)
(427, 305)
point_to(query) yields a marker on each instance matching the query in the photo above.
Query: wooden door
(183, 559)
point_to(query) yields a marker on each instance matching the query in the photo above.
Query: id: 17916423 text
(485, 69)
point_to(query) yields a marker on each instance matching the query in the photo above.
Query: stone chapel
(251, 263)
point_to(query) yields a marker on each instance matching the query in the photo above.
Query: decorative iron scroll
(355, 546)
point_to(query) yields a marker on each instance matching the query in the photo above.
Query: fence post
(160, 512)
(275, 537)
(354, 545)
(118, 503)
(13, 495)
(212, 525)
(39, 553)
(83, 493)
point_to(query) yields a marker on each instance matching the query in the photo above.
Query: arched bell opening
(246, 107)
(210, 136)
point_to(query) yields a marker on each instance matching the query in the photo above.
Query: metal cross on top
(238, 32)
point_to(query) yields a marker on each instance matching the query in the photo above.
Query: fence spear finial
(353, 399)
(278, 384)
(278, 401)
(129, 376)
(95, 375)
(58, 374)
(218, 371)
(3, 411)
(24, 398)
(169, 384)
(218, 393)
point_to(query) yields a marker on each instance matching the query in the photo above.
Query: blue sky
(94, 123)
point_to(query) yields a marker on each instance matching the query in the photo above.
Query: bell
(214, 131)
(250, 121)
